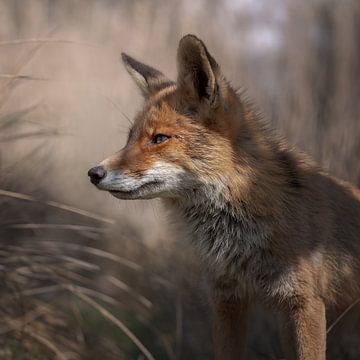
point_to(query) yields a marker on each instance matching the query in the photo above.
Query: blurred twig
(44, 41)
(94, 251)
(29, 134)
(22, 77)
(56, 226)
(113, 319)
(47, 343)
(121, 285)
(20, 196)
(351, 306)
(7, 89)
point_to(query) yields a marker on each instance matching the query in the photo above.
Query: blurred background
(85, 276)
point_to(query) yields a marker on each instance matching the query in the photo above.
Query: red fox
(267, 223)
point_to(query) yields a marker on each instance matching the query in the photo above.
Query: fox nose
(96, 174)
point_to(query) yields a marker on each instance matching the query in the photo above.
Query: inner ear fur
(148, 79)
(198, 72)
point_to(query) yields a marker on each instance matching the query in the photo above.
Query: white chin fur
(135, 196)
(162, 180)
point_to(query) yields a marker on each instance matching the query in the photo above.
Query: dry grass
(81, 276)
(41, 278)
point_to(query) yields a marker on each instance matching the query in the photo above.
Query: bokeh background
(85, 276)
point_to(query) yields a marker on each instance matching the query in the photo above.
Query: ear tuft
(148, 79)
(198, 71)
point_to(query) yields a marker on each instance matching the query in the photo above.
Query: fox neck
(232, 220)
(225, 234)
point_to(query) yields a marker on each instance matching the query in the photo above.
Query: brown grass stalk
(342, 315)
(20, 196)
(113, 319)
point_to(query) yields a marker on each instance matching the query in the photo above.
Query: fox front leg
(230, 324)
(305, 333)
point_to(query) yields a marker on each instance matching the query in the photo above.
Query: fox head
(185, 137)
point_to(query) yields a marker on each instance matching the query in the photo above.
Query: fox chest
(235, 252)
(227, 244)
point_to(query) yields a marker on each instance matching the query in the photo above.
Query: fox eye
(159, 138)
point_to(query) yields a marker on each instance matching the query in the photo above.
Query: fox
(267, 223)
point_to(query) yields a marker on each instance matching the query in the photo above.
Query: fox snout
(106, 179)
(96, 174)
(160, 180)
(111, 180)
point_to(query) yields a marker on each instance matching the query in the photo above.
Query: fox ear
(148, 79)
(198, 72)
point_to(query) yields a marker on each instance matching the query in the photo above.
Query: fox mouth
(146, 191)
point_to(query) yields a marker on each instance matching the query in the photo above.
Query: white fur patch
(162, 180)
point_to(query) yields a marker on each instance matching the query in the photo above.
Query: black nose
(96, 174)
